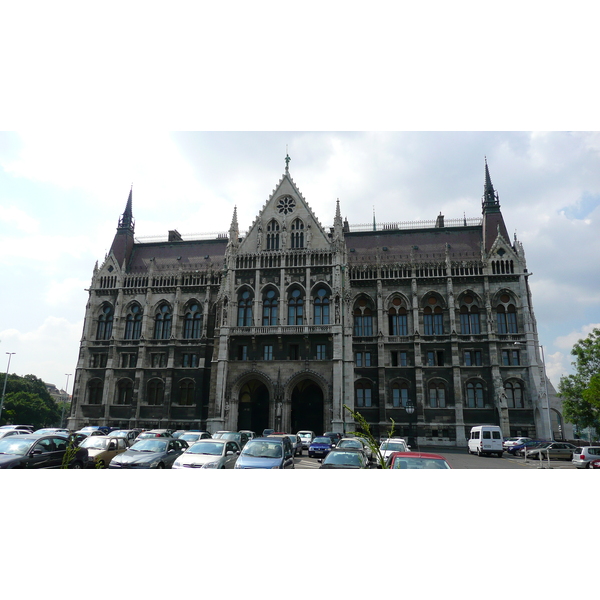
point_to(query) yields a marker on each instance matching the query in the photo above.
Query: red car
(595, 464)
(416, 460)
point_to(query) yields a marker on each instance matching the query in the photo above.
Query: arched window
(124, 391)
(364, 396)
(105, 323)
(162, 323)
(245, 309)
(273, 235)
(297, 234)
(514, 394)
(506, 315)
(469, 317)
(363, 319)
(156, 392)
(437, 394)
(398, 318)
(192, 323)
(433, 318)
(321, 307)
(186, 392)
(295, 308)
(270, 304)
(94, 391)
(475, 397)
(133, 323)
(399, 394)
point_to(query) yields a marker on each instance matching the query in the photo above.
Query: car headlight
(210, 465)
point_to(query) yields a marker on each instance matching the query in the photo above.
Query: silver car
(359, 444)
(307, 437)
(583, 455)
(393, 445)
(209, 454)
(560, 450)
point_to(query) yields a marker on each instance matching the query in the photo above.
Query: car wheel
(76, 465)
(587, 465)
(160, 466)
(500, 454)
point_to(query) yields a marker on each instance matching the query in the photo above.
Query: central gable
(285, 222)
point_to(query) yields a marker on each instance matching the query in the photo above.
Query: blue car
(521, 448)
(320, 446)
(266, 453)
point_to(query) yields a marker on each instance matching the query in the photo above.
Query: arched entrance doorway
(253, 407)
(307, 407)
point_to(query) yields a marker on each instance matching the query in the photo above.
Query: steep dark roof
(173, 254)
(424, 244)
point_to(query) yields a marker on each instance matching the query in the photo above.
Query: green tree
(28, 409)
(581, 392)
(36, 407)
(365, 433)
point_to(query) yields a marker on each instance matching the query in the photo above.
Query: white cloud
(19, 219)
(66, 291)
(48, 352)
(568, 341)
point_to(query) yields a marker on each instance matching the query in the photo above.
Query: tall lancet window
(297, 234)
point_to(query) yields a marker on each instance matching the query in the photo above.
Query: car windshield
(322, 440)
(343, 458)
(94, 443)
(420, 463)
(231, 436)
(304, 436)
(15, 445)
(118, 433)
(350, 444)
(150, 445)
(190, 437)
(212, 448)
(263, 450)
(393, 446)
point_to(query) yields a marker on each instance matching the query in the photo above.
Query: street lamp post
(62, 416)
(5, 380)
(410, 409)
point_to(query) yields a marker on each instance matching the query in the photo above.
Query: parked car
(102, 449)
(356, 442)
(236, 436)
(393, 445)
(320, 446)
(267, 432)
(87, 432)
(345, 458)
(217, 434)
(150, 453)
(191, 437)
(91, 428)
(416, 460)
(266, 453)
(514, 441)
(129, 435)
(295, 441)
(38, 452)
(51, 430)
(8, 432)
(521, 448)
(307, 437)
(584, 455)
(595, 464)
(155, 433)
(334, 435)
(28, 428)
(251, 435)
(209, 454)
(560, 450)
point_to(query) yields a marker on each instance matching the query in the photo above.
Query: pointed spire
(234, 221)
(338, 214)
(490, 196)
(126, 221)
(234, 230)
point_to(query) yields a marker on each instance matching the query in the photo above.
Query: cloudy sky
(61, 198)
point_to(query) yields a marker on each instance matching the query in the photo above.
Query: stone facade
(282, 326)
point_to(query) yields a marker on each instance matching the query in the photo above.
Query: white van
(486, 439)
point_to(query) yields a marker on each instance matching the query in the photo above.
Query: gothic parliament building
(288, 323)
